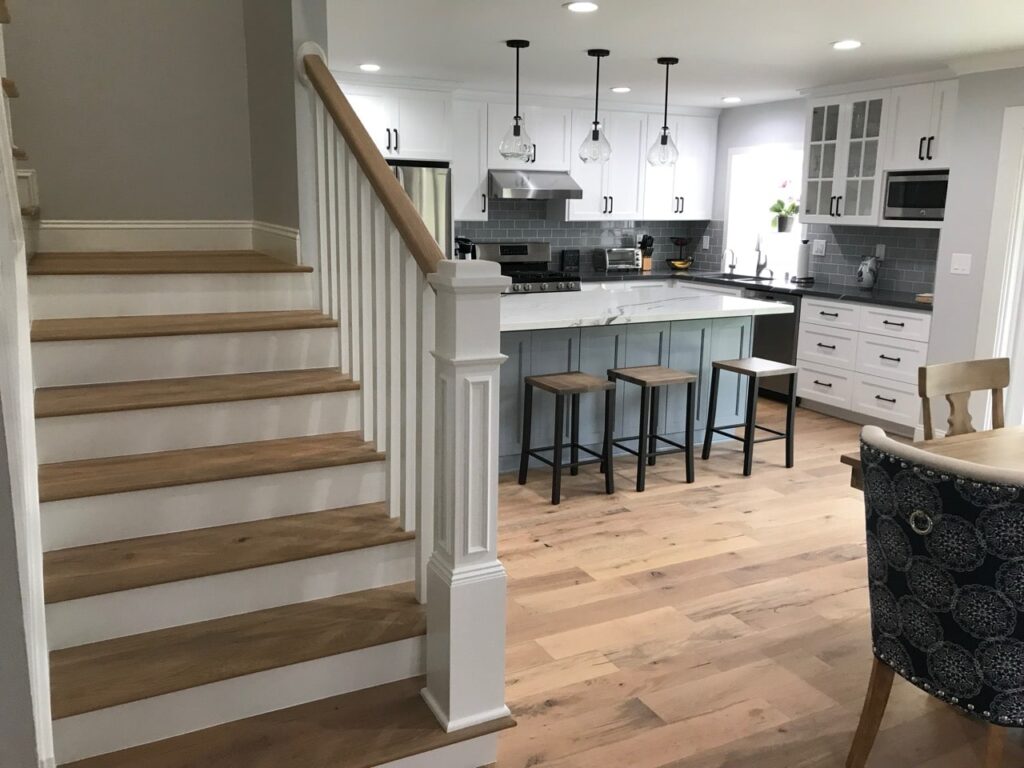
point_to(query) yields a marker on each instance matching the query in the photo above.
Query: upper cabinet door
(938, 152)
(624, 172)
(921, 126)
(423, 127)
(695, 171)
(469, 161)
(861, 190)
(594, 205)
(661, 200)
(549, 129)
(378, 112)
(820, 161)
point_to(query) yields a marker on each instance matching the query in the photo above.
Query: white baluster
(393, 401)
(380, 336)
(353, 275)
(425, 382)
(410, 307)
(466, 582)
(366, 248)
(322, 211)
(341, 250)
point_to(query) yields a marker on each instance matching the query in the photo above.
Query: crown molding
(988, 62)
(944, 73)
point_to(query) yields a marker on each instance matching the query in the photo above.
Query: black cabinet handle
(890, 359)
(823, 384)
(928, 151)
(682, 205)
(679, 203)
(832, 206)
(920, 148)
(611, 205)
(604, 206)
(885, 399)
(483, 203)
(533, 157)
(396, 139)
(826, 346)
(676, 208)
(828, 314)
(389, 139)
(839, 202)
(893, 322)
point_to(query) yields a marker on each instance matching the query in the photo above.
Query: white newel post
(465, 581)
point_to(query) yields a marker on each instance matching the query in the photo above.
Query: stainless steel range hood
(534, 185)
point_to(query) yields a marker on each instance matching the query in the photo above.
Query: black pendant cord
(597, 53)
(597, 91)
(518, 118)
(664, 123)
(666, 61)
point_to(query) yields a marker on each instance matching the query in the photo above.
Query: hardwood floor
(718, 625)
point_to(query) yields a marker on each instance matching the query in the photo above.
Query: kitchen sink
(738, 278)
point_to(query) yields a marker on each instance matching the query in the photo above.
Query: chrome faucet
(732, 260)
(762, 264)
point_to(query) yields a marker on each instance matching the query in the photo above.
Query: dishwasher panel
(775, 338)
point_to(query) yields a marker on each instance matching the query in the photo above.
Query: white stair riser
(472, 753)
(96, 435)
(95, 361)
(112, 517)
(141, 722)
(102, 617)
(114, 295)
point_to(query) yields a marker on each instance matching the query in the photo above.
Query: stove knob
(527, 287)
(543, 286)
(515, 289)
(561, 286)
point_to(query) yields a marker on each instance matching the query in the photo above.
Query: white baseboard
(169, 235)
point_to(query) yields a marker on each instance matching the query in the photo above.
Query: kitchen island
(610, 325)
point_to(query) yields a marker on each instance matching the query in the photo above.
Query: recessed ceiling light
(580, 7)
(732, 99)
(621, 89)
(846, 45)
(370, 67)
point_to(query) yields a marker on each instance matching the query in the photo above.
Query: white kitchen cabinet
(469, 161)
(922, 117)
(405, 123)
(612, 190)
(842, 163)
(684, 191)
(550, 130)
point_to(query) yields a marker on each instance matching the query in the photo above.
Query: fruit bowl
(680, 264)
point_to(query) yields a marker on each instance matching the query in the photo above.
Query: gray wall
(981, 103)
(271, 79)
(781, 122)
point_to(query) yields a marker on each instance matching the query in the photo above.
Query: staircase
(264, 532)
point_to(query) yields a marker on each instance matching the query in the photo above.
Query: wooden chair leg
(709, 428)
(879, 686)
(994, 748)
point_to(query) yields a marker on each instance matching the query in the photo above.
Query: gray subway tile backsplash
(908, 265)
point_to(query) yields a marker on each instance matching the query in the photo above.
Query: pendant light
(595, 147)
(664, 151)
(516, 143)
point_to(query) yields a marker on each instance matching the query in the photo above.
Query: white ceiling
(757, 50)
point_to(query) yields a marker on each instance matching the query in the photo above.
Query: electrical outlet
(880, 251)
(960, 264)
(818, 248)
(705, 242)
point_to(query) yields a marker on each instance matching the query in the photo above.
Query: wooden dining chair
(956, 382)
(945, 552)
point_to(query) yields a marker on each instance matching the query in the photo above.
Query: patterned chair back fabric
(945, 547)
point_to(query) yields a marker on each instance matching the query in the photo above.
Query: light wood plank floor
(718, 625)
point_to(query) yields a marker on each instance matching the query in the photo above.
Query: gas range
(542, 281)
(527, 264)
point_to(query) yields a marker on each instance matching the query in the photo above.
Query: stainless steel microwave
(915, 195)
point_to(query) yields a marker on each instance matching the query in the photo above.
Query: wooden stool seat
(572, 383)
(757, 367)
(652, 375)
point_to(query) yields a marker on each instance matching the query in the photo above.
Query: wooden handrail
(396, 202)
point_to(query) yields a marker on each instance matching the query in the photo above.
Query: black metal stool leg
(574, 434)
(690, 408)
(609, 427)
(524, 457)
(751, 421)
(791, 421)
(645, 420)
(556, 469)
(709, 429)
(652, 440)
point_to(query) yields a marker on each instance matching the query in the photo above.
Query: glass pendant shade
(595, 148)
(516, 143)
(664, 150)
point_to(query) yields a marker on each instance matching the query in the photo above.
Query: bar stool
(562, 385)
(650, 378)
(754, 368)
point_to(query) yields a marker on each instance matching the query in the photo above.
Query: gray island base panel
(600, 329)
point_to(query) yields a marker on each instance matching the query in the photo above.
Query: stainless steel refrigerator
(429, 186)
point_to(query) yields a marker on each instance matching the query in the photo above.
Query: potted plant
(784, 214)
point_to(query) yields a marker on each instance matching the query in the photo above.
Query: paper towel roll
(803, 260)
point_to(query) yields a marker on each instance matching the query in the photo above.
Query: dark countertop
(877, 295)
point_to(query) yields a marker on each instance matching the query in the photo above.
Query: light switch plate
(880, 251)
(705, 242)
(960, 264)
(818, 248)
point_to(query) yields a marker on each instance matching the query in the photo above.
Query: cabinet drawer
(832, 313)
(890, 358)
(886, 399)
(824, 384)
(829, 346)
(896, 322)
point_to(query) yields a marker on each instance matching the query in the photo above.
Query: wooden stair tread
(100, 675)
(5, 15)
(163, 393)
(362, 729)
(99, 569)
(120, 474)
(19, 154)
(158, 263)
(31, 211)
(136, 326)
(10, 88)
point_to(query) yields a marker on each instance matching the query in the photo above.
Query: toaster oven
(617, 259)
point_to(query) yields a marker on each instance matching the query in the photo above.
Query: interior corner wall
(133, 109)
(778, 122)
(271, 84)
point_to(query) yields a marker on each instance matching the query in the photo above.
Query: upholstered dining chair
(945, 552)
(956, 382)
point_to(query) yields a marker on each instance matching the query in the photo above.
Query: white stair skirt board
(119, 433)
(96, 361)
(118, 614)
(474, 753)
(95, 519)
(141, 722)
(160, 235)
(54, 296)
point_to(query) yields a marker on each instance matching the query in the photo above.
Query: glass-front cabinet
(842, 168)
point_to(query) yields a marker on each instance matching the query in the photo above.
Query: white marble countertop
(618, 303)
